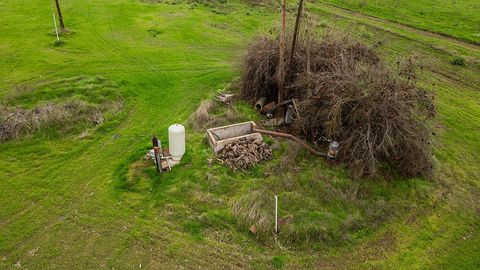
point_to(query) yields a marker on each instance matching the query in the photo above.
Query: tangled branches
(377, 113)
(259, 70)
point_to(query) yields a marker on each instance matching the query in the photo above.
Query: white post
(276, 214)
(55, 22)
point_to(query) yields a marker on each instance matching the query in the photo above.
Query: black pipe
(156, 152)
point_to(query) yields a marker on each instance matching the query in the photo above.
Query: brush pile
(347, 93)
(244, 153)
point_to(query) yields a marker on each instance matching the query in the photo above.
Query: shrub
(458, 61)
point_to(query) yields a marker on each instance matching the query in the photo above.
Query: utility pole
(295, 36)
(60, 17)
(282, 49)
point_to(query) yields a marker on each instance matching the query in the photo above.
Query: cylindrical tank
(176, 141)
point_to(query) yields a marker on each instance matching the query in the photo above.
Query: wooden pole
(60, 17)
(281, 61)
(295, 34)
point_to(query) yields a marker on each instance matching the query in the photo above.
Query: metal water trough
(219, 137)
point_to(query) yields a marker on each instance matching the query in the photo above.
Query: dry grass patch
(210, 114)
(58, 107)
(63, 117)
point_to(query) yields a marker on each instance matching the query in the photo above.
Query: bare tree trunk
(60, 17)
(282, 49)
(295, 35)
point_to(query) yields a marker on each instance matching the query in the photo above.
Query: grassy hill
(458, 19)
(82, 198)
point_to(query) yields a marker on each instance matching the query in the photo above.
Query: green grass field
(459, 19)
(85, 199)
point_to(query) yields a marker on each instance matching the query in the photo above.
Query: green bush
(278, 262)
(459, 61)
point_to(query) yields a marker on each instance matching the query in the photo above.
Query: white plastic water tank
(176, 141)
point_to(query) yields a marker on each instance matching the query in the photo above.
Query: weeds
(254, 208)
(317, 206)
(59, 118)
(278, 262)
(458, 61)
(286, 163)
(209, 114)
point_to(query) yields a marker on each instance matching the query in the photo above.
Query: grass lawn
(72, 201)
(458, 19)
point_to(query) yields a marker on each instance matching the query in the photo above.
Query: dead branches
(259, 75)
(376, 112)
(377, 115)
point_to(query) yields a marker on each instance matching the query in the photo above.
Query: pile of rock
(244, 153)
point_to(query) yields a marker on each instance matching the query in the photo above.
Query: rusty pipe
(291, 137)
(260, 103)
(268, 108)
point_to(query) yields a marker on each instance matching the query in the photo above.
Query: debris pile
(345, 93)
(244, 153)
